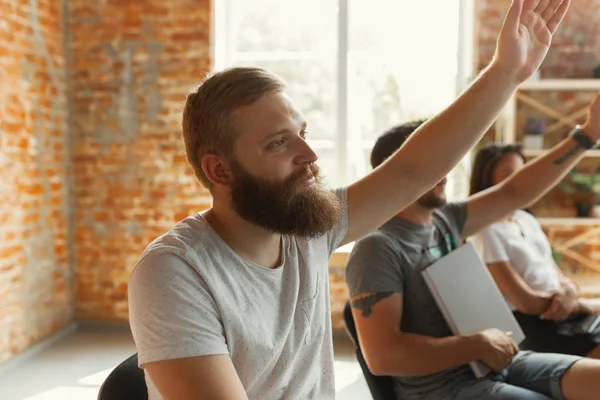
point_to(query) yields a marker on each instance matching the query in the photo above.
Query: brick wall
(36, 293)
(575, 51)
(133, 63)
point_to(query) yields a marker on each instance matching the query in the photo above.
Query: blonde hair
(207, 123)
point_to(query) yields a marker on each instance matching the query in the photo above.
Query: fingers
(547, 314)
(558, 16)
(514, 347)
(542, 5)
(513, 17)
(530, 5)
(550, 311)
(551, 7)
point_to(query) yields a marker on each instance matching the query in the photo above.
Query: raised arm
(437, 146)
(533, 181)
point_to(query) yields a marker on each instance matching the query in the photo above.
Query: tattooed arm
(526, 186)
(388, 351)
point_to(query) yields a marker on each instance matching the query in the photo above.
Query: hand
(526, 35)
(563, 304)
(592, 125)
(498, 348)
(569, 286)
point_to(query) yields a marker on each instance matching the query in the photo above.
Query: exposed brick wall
(133, 63)
(575, 50)
(36, 293)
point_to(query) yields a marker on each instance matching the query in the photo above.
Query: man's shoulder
(190, 242)
(181, 237)
(450, 209)
(451, 215)
(380, 237)
(379, 243)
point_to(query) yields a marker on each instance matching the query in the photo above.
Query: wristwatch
(579, 135)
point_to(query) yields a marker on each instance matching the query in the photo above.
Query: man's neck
(249, 241)
(416, 214)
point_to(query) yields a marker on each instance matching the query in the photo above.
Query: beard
(286, 207)
(431, 200)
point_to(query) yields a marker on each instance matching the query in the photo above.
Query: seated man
(233, 303)
(400, 328)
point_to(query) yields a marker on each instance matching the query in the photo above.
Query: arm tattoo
(365, 304)
(570, 153)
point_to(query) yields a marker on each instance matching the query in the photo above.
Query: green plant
(557, 256)
(583, 184)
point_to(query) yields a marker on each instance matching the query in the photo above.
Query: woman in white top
(519, 258)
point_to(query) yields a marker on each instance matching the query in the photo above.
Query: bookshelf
(562, 104)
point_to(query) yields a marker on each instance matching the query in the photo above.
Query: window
(355, 68)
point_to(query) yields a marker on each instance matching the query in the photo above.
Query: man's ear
(216, 170)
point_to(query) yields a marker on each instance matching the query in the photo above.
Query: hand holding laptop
(497, 348)
(472, 304)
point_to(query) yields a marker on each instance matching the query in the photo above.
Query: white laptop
(469, 298)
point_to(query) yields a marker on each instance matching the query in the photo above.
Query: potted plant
(534, 133)
(586, 190)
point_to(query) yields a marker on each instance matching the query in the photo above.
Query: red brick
(26, 158)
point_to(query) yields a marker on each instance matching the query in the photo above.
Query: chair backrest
(381, 387)
(125, 382)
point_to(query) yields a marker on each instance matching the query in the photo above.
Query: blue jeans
(531, 376)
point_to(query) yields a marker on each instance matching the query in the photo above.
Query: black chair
(381, 387)
(125, 382)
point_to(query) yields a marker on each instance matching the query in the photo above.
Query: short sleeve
(337, 234)
(171, 311)
(492, 245)
(374, 266)
(457, 213)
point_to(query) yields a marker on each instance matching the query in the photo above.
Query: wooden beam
(567, 121)
(581, 259)
(549, 111)
(577, 239)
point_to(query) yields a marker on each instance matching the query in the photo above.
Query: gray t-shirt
(192, 295)
(391, 260)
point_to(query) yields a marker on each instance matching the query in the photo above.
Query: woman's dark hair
(485, 163)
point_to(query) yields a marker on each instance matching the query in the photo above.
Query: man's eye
(278, 143)
(303, 134)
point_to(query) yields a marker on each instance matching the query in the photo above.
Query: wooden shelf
(561, 84)
(566, 234)
(569, 221)
(535, 153)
